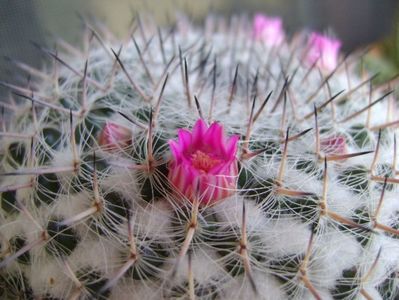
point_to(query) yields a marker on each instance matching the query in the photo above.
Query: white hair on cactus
(329, 261)
(49, 281)
(285, 236)
(267, 285)
(130, 288)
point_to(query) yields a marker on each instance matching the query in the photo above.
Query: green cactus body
(80, 220)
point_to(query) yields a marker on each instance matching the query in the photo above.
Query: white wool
(328, 260)
(387, 261)
(285, 237)
(389, 212)
(70, 205)
(152, 220)
(47, 277)
(23, 195)
(342, 201)
(131, 289)
(122, 180)
(205, 267)
(98, 254)
(323, 294)
(231, 210)
(62, 159)
(266, 285)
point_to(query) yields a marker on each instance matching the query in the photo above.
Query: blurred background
(358, 23)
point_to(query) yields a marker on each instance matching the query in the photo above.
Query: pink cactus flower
(204, 164)
(323, 50)
(268, 29)
(113, 137)
(333, 145)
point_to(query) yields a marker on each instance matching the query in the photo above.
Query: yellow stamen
(203, 161)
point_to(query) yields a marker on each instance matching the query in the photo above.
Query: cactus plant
(199, 163)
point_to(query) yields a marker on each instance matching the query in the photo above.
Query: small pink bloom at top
(113, 137)
(333, 145)
(204, 165)
(268, 29)
(323, 50)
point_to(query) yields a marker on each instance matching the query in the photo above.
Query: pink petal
(324, 50)
(231, 147)
(198, 133)
(224, 168)
(214, 139)
(268, 29)
(176, 150)
(185, 139)
(191, 174)
(219, 169)
(204, 189)
(258, 24)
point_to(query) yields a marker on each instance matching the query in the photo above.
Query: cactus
(95, 202)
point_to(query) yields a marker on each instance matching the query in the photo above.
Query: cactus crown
(89, 208)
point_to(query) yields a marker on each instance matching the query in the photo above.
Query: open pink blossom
(323, 50)
(334, 145)
(114, 136)
(204, 165)
(268, 29)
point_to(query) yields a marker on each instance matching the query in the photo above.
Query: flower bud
(114, 137)
(324, 51)
(333, 145)
(268, 29)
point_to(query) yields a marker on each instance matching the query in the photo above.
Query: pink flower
(324, 51)
(333, 145)
(114, 136)
(204, 164)
(268, 29)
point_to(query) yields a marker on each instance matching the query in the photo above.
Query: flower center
(203, 161)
